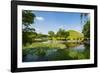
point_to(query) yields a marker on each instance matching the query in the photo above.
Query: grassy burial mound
(75, 36)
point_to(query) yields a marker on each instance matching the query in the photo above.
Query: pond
(71, 51)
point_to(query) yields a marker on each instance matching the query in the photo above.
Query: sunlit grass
(45, 45)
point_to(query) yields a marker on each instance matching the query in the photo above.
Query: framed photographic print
(51, 36)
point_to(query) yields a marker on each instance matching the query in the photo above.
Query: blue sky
(52, 21)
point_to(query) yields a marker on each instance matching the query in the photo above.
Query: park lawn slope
(75, 36)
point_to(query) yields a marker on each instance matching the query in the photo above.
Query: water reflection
(71, 52)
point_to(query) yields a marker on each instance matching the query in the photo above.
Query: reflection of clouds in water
(79, 48)
(30, 57)
(48, 54)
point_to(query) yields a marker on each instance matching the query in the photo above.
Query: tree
(83, 17)
(51, 33)
(62, 33)
(28, 37)
(40, 35)
(27, 19)
(86, 30)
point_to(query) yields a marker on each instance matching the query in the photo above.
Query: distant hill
(75, 35)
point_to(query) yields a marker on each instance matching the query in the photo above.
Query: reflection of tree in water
(72, 44)
(87, 50)
(41, 52)
(47, 54)
(60, 54)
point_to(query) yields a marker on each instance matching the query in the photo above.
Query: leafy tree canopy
(27, 17)
(51, 33)
(62, 33)
(28, 33)
(86, 29)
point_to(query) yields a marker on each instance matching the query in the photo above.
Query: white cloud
(40, 18)
(61, 26)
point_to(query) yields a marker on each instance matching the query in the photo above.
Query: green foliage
(86, 30)
(45, 45)
(66, 35)
(51, 33)
(40, 52)
(28, 33)
(40, 35)
(27, 17)
(62, 33)
(60, 54)
(73, 54)
(28, 37)
(53, 51)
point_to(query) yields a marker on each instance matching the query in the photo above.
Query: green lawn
(45, 45)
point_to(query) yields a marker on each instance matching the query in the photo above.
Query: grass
(45, 45)
(75, 35)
